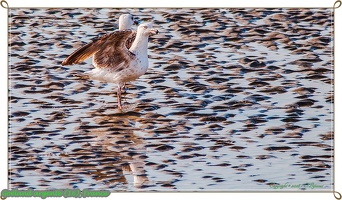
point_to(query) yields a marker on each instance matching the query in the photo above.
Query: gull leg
(119, 96)
(123, 89)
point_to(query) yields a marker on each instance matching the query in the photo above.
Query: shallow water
(234, 99)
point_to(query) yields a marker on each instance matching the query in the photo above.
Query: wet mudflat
(234, 99)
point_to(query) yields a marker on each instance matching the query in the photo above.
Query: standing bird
(113, 61)
(126, 22)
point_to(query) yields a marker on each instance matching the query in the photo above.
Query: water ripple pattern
(234, 99)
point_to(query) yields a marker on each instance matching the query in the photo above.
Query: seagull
(113, 61)
(126, 22)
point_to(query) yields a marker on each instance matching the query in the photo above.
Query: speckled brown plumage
(114, 44)
(131, 39)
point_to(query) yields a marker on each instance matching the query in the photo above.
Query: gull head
(147, 29)
(126, 21)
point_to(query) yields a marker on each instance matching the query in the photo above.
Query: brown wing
(106, 44)
(114, 54)
(131, 39)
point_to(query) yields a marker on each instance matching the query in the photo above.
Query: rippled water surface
(234, 99)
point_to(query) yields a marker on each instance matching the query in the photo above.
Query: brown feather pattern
(131, 39)
(113, 44)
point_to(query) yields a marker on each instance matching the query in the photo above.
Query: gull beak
(136, 21)
(153, 31)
